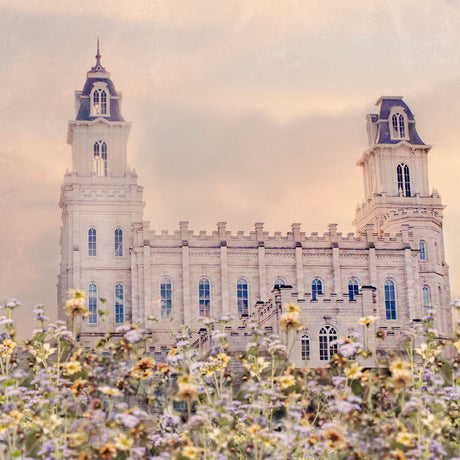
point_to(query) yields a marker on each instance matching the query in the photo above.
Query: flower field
(59, 401)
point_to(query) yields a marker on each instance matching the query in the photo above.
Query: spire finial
(98, 56)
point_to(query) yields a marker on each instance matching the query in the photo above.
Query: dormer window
(398, 125)
(100, 101)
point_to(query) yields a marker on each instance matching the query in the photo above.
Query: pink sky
(242, 112)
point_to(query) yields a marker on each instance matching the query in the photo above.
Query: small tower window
(398, 123)
(390, 300)
(119, 304)
(166, 298)
(99, 106)
(316, 288)
(118, 242)
(92, 304)
(242, 297)
(422, 249)
(305, 347)
(100, 158)
(403, 175)
(92, 242)
(327, 343)
(353, 289)
(204, 292)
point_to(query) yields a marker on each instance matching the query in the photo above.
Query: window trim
(115, 248)
(202, 312)
(305, 347)
(403, 180)
(326, 350)
(398, 124)
(98, 89)
(314, 292)
(391, 312)
(241, 311)
(89, 243)
(170, 315)
(426, 299)
(100, 158)
(116, 314)
(93, 314)
(275, 284)
(353, 292)
(422, 250)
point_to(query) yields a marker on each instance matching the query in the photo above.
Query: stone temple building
(393, 267)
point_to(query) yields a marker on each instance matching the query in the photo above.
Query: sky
(243, 111)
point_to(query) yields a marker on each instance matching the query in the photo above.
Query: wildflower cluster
(59, 401)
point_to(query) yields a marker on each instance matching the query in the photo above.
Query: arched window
(100, 106)
(353, 288)
(92, 304)
(92, 242)
(204, 292)
(100, 158)
(119, 304)
(279, 282)
(305, 347)
(118, 242)
(426, 297)
(166, 298)
(402, 172)
(390, 299)
(422, 248)
(316, 288)
(242, 297)
(398, 123)
(327, 349)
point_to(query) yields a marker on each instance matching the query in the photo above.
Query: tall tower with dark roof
(397, 198)
(100, 202)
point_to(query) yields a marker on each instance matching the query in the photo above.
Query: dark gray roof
(84, 111)
(383, 124)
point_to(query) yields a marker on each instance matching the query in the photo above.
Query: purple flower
(134, 336)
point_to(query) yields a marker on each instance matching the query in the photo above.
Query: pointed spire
(98, 67)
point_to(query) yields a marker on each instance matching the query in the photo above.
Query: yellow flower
(290, 321)
(77, 439)
(72, 367)
(7, 347)
(354, 371)
(292, 308)
(426, 353)
(122, 442)
(109, 391)
(368, 320)
(76, 307)
(286, 381)
(144, 368)
(108, 451)
(406, 439)
(191, 452)
(187, 391)
(254, 428)
(77, 294)
(401, 372)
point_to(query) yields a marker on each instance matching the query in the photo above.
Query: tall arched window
(426, 297)
(100, 106)
(242, 295)
(403, 174)
(92, 242)
(390, 299)
(166, 298)
(92, 304)
(119, 304)
(118, 242)
(204, 292)
(422, 248)
(100, 158)
(305, 347)
(353, 288)
(316, 288)
(327, 349)
(279, 282)
(398, 123)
